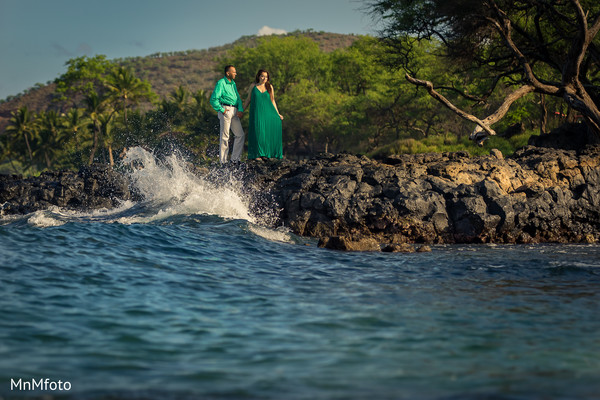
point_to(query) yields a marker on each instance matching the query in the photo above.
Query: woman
(264, 130)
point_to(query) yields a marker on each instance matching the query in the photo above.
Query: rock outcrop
(91, 188)
(537, 195)
(355, 203)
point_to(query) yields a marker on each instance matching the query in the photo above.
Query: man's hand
(239, 114)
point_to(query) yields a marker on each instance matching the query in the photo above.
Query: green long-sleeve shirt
(225, 93)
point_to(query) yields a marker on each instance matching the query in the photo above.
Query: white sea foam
(44, 219)
(168, 189)
(277, 235)
(7, 219)
(57, 216)
(174, 190)
(177, 191)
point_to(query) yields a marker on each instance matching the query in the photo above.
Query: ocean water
(188, 295)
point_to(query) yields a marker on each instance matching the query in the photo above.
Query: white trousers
(229, 120)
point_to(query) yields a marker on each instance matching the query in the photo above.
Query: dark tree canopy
(542, 46)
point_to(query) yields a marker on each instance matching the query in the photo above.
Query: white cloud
(267, 30)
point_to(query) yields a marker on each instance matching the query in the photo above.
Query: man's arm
(239, 104)
(215, 97)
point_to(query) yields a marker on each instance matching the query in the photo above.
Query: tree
(201, 126)
(107, 125)
(23, 124)
(125, 87)
(75, 126)
(180, 97)
(315, 117)
(84, 75)
(357, 69)
(531, 46)
(202, 102)
(7, 152)
(288, 60)
(95, 105)
(50, 138)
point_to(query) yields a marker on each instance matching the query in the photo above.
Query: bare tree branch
(578, 48)
(503, 25)
(463, 94)
(593, 31)
(505, 106)
(419, 130)
(429, 87)
(483, 125)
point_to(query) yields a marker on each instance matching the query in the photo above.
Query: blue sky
(37, 37)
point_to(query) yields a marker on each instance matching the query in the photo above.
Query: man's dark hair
(227, 68)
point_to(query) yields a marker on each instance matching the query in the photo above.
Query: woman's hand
(281, 116)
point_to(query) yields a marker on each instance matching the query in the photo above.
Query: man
(226, 100)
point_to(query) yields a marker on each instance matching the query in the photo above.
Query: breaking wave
(170, 189)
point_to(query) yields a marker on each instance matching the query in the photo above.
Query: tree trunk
(28, 147)
(544, 114)
(94, 147)
(12, 164)
(110, 156)
(580, 100)
(48, 163)
(570, 115)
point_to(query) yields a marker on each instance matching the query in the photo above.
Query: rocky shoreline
(537, 195)
(93, 187)
(354, 203)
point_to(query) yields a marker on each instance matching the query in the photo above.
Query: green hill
(193, 69)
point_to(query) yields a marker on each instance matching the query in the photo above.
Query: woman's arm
(273, 101)
(249, 96)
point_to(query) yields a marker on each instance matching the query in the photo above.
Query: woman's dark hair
(267, 83)
(227, 68)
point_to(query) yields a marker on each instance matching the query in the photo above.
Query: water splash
(276, 235)
(44, 219)
(169, 188)
(57, 216)
(173, 189)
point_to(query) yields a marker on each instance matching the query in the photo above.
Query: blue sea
(188, 295)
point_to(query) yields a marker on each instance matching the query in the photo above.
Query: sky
(37, 37)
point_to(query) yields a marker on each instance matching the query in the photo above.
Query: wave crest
(170, 185)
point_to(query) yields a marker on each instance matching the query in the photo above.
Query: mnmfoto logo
(40, 384)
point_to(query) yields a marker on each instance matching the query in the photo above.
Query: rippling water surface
(187, 296)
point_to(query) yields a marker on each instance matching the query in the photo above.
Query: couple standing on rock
(264, 129)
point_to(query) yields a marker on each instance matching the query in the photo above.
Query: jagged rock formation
(355, 203)
(91, 188)
(538, 195)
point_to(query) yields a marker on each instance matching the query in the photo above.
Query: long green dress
(264, 131)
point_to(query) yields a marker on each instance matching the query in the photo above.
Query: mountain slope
(193, 69)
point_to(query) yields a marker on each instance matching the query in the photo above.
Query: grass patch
(451, 143)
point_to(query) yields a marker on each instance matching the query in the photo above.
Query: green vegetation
(503, 48)
(336, 95)
(351, 100)
(450, 143)
(100, 117)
